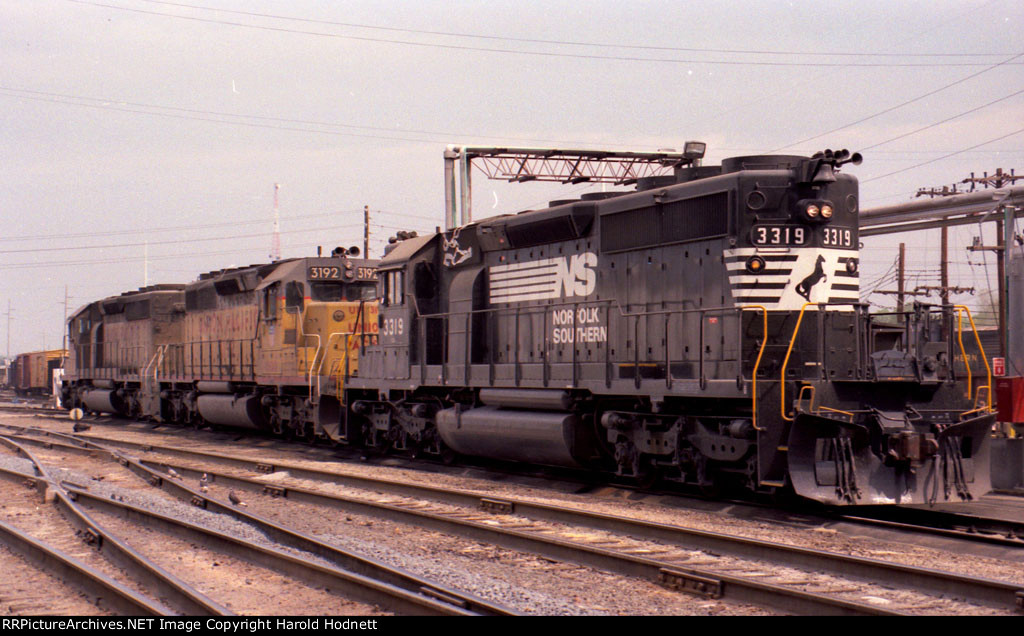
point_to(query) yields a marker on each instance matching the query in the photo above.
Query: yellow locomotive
(263, 346)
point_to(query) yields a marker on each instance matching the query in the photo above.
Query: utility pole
(1004, 238)
(944, 266)
(366, 231)
(275, 242)
(900, 289)
(944, 191)
(64, 339)
(8, 328)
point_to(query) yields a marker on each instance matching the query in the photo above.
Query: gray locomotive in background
(704, 329)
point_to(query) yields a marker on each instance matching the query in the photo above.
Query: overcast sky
(135, 131)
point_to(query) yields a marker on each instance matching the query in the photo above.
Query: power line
(521, 52)
(952, 154)
(139, 259)
(566, 42)
(902, 104)
(175, 241)
(174, 228)
(210, 116)
(948, 119)
(222, 121)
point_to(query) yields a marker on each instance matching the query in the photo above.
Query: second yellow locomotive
(263, 346)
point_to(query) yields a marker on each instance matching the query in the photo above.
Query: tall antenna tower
(275, 242)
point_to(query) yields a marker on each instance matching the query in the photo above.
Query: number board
(326, 272)
(837, 237)
(339, 272)
(797, 236)
(779, 235)
(366, 273)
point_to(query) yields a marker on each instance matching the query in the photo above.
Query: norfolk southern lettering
(581, 325)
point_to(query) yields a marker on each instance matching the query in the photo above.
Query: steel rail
(984, 591)
(102, 590)
(366, 567)
(979, 590)
(705, 582)
(186, 598)
(977, 529)
(19, 408)
(708, 582)
(354, 586)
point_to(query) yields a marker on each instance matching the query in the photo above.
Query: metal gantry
(554, 165)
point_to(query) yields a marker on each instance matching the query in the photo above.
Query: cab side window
(295, 294)
(270, 301)
(394, 287)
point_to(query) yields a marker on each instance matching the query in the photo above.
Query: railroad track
(33, 409)
(109, 554)
(682, 560)
(957, 525)
(965, 526)
(255, 564)
(43, 579)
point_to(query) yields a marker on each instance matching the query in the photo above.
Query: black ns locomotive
(705, 329)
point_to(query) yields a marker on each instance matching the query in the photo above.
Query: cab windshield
(339, 291)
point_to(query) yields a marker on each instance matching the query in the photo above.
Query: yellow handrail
(981, 350)
(764, 341)
(785, 361)
(792, 341)
(815, 411)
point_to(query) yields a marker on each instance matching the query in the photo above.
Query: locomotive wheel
(711, 491)
(648, 479)
(706, 484)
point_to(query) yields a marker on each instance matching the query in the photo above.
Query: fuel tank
(103, 401)
(539, 437)
(228, 410)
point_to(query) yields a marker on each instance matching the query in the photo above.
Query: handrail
(815, 411)
(152, 360)
(978, 409)
(764, 341)
(981, 350)
(514, 313)
(785, 361)
(327, 347)
(963, 352)
(959, 308)
(156, 368)
(309, 378)
(792, 341)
